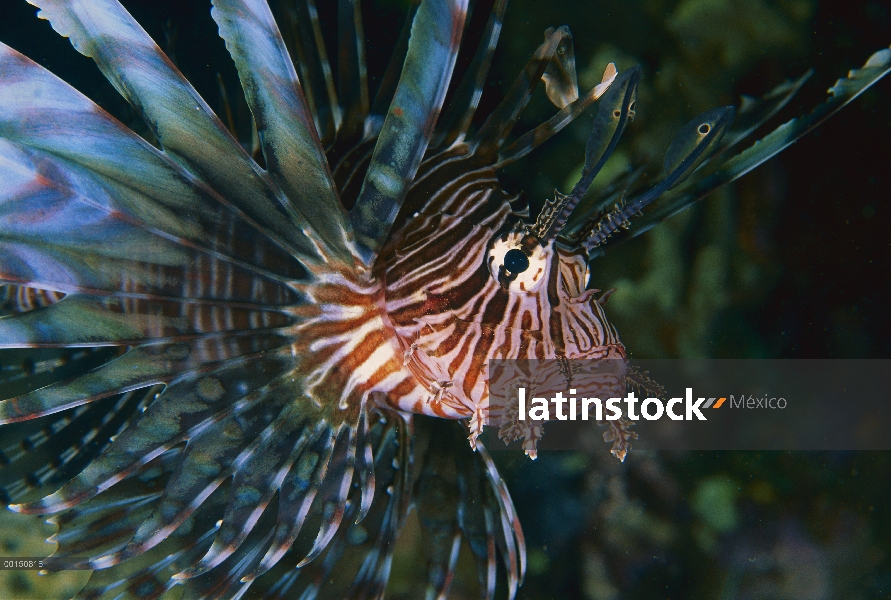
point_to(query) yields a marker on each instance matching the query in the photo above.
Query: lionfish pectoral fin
(461, 495)
(314, 490)
(185, 126)
(261, 471)
(194, 403)
(704, 182)
(294, 155)
(406, 132)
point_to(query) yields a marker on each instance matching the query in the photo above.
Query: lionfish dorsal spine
(408, 127)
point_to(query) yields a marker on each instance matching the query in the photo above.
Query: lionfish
(253, 353)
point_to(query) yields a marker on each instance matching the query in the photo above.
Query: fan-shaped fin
(460, 111)
(432, 49)
(105, 523)
(501, 121)
(352, 74)
(209, 458)
(297, 494)
(63, 445)
(70, 142)
(80, 320)
(138, 368)
(183, 123)
(333, 501)
(189, 406)
(146, 576)
(393, 467)
(257, 478)
(294, 155)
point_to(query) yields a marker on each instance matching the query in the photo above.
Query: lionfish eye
(515, 261)
(518, 261)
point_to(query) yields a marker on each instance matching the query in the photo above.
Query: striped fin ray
(315, 70)
(27, 369)
(352, 74)
(291, 146)
(501, 121)
(62, 145)
(364, 548)
(258, 476)
(296, 497)
(211, 457)
(194, 404)
(60, 229)
(457, 118)
(46, 453)
(183, 123)
(460, 495)
(432, 49)
(106, 522)
(112, 518)
(81, 320)
(149, 578)
(137, 368)
(21, 298)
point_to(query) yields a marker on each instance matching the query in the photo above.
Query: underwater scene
(256, 257)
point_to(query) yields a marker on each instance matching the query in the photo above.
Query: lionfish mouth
(225, 364)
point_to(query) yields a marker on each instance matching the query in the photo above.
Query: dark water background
(792, 261)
